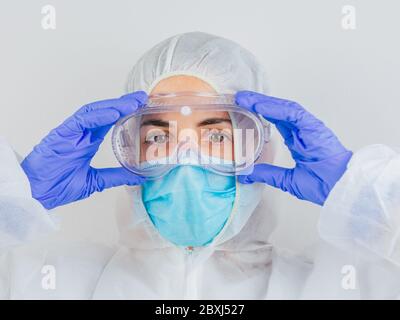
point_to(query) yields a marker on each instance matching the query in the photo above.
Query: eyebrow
(155, 122)
(163, 123)
(210, 121)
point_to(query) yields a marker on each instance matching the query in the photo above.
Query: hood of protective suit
(228, 68)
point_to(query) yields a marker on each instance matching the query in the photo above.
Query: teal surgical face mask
(189, 205)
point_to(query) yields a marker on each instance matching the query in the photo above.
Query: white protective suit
(359, 254)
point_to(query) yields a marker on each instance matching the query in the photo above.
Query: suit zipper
(191, 276)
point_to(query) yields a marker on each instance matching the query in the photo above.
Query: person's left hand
(320, 158)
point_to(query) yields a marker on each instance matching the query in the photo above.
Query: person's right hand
(59, 168)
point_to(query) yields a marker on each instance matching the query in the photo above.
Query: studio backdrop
(339, 59)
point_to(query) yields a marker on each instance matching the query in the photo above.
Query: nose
(188, 138)
(188, 150)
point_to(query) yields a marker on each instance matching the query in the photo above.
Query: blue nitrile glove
(59, 168)
(320, 158)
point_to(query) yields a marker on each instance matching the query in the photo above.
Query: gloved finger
(275, 176)
(93, 119)
(125, 105)
(285, 131)
(113, 177)
(277, 110)
(141, 96)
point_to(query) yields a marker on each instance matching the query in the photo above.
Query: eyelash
(149, 140)
(220, 132)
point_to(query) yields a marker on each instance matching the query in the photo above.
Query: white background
(347, 78)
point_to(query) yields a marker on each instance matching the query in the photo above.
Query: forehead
(194, 117)
(182, 83)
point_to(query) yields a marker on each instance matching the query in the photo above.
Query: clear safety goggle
(190, 128)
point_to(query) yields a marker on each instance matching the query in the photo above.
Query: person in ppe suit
(231, 256)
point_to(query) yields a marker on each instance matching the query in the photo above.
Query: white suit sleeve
(362, 213)
(22, 218)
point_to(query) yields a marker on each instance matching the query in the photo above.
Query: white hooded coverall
(358, 257)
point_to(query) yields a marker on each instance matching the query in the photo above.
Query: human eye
(219, 136)
(156, 137)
